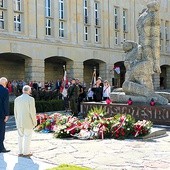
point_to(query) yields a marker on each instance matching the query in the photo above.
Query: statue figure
(148, 27)
(142, 59)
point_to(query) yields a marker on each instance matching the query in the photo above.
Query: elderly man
(4, 111)
(25, 117)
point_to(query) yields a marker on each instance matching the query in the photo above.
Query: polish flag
(64, 82)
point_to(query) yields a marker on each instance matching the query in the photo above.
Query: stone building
(39, 37)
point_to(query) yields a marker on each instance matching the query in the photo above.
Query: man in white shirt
(25, 117)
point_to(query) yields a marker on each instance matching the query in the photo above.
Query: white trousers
(24, 140)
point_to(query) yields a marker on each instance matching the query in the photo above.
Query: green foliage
(44, 106)
(96, 113)
(46, 95)
(47, 106)
(69, 167)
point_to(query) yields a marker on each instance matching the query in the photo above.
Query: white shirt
(90, 93)
(106, 91)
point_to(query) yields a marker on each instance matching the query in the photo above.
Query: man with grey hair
(25, 117)
(4, 111)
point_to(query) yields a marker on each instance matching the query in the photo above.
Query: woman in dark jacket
(98, 90)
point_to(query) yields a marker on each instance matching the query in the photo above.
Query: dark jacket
(73, 92)
(98, 93)
(4, 102)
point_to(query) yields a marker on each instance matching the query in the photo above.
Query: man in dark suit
(4, 111)
(58, 84)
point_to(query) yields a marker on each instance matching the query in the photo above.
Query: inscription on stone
(157, 114)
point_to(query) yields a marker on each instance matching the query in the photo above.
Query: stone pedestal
(158, 114)
(155, 133)
(121, 97)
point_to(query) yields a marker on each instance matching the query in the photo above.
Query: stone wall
(33, 42)
(14, 70)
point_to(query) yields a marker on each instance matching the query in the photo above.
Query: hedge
(44, 106)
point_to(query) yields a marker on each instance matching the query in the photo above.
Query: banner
(94, 78)
(117, 70)
(64, 82)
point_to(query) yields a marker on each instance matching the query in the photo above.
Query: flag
(94, 78)
(117, 69)
(64, 82)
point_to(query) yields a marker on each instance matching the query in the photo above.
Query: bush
(47, 106)
(46, 95)
(44, 106)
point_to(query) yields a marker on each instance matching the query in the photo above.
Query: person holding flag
(97, 87)
(64, 81)
(63, 90)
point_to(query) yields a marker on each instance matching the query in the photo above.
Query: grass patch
(69, 167)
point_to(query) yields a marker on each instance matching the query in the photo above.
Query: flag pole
(64, 68)
(93, 77)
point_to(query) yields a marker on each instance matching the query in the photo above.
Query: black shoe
(5, 151)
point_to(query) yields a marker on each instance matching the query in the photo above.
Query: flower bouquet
(96, 113)
(46, 123)
(122, 126)
(67, 126)
(96, 125)
(99, 124)
(142, 128)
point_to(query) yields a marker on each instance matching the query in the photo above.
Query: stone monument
(142, 59)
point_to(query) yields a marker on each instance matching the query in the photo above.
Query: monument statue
(142, 59)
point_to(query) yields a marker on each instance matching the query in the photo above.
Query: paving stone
(156, 164)
(105, 154)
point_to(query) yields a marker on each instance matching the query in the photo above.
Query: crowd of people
(15, 86)
(76, 93)
(72, 92)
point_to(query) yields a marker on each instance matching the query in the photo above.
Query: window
(85, 33)
(48, 26)
(61, 9)
(116, 38)
(17, 5)
(1, 19)
(124, 20)
(48, 17)
(61, 29)
(48, 8)
(96, 35)
(96, 13)
(161, 45)
(2, 3)
(124, 37)
(116, 24)
(167, 46)
(85, 12)
(166, 30)
(17, 22)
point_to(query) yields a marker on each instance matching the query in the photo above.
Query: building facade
(40, 37)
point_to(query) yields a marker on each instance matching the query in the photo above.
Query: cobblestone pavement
(108, 154)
